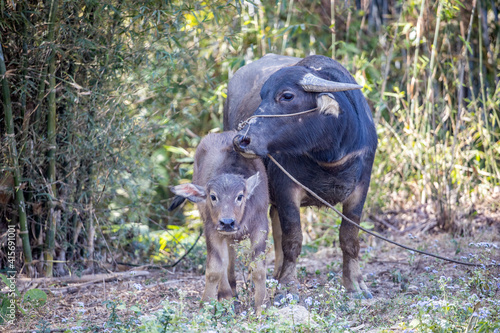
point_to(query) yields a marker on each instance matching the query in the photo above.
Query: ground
(403, 284)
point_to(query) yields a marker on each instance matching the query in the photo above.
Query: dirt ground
(387, 268)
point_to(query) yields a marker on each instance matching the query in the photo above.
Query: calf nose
(241, 141)
(226, 223)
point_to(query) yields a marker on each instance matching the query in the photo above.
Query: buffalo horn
(312, 83)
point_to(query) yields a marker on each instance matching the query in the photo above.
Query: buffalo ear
(192, 192)
(327, 104)
(251, 184)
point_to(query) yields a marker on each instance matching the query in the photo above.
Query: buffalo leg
(349, 242)
(291, 240)
(278, 249)
(287, 197)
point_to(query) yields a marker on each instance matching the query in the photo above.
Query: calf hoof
(282, 299)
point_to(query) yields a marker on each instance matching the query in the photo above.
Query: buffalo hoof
(363, 294)
(237, 307)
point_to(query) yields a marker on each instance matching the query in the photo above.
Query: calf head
(291, 90)
(224, 198)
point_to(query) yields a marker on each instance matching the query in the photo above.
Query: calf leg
(259, 281)
(258, 239)
(278, 249)
(213, 276)
(225, 290)
(349, 242)
(230, 268)
(216, 271)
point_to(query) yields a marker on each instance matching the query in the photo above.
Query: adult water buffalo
(331, 150)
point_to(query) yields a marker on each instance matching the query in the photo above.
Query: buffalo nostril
(244, 141)
(241, 141)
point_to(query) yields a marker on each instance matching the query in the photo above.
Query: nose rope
(368, 231)
(243, 123)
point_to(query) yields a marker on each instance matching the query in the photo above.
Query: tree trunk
(11, 138)
(51, 137)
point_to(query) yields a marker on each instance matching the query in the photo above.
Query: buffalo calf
(232, 196)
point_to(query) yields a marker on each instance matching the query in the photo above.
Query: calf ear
(251, 184)
(327, 104)
(192, 192)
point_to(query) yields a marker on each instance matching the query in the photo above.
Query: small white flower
(271, 283)
(413, 35)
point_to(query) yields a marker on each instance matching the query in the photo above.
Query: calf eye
(240, 197)
(287, 96)
(213, 197)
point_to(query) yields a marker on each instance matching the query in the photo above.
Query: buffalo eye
(239, 197)
(213, 197)
(287, 96)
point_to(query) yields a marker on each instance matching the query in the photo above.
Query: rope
(246, 122)
(188, 251)
(368, 231)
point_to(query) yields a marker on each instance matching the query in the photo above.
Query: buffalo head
(288, 91)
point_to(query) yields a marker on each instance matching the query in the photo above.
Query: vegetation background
(104, 102)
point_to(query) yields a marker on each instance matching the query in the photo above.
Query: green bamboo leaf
(367, 225)
(176, 150)
(185, 160)
(467, 44)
